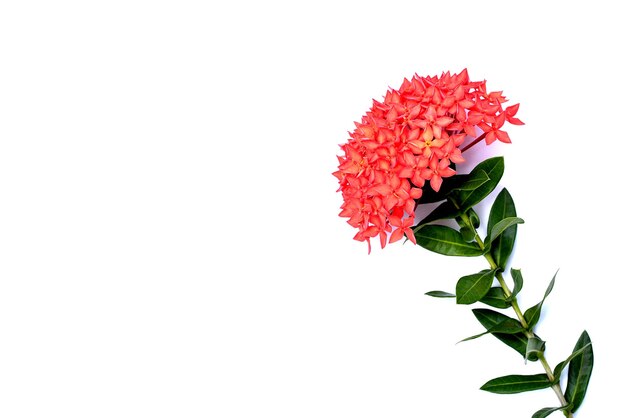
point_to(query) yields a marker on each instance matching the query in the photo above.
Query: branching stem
(556, 387)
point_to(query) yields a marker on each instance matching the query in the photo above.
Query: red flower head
(409, 138)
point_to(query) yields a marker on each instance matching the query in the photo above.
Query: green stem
(556, 387)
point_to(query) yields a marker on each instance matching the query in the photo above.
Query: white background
(169, 239)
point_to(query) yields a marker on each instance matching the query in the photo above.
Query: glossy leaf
(473, 337)
(474, 219)
(559, 367)
(474, 180)
(517, 383)
(440, 294)
(495, 297)
(445, 240)
(501, 227)
(518, 282)
(579, 373)
(467, 233)
(502, 247)
(544, 412)
(472, 288)
(509, 326)
(494, 168)
(445, 210)
(534, 347)
(533, 314)
(489, 318)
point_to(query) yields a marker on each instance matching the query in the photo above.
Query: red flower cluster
(408, 139)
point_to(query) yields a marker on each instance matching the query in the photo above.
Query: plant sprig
(489, 286)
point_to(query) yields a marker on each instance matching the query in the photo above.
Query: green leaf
(472, 288)
(445, 240)
(440, 294)
(518, 282)
(494, 168)
(517, 383)
(502, 247)
(474, 180)
(533, 314)
(445, 210)
(559, 367)
(467, 233)
(534, 347)
(579, 373)
(544, 412)
(473, 337)
(495, 297)
(474, 219)
(501, 227)
(509, 326)
(489, 318)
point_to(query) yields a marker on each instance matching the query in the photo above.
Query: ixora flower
(410, 138)
(403, 153)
